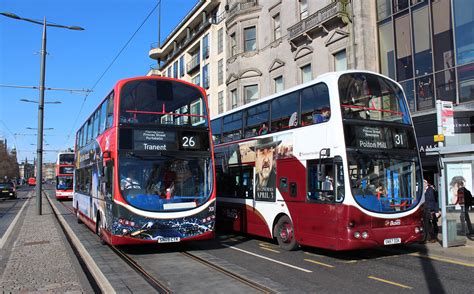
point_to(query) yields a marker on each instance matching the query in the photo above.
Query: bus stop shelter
(456, 164)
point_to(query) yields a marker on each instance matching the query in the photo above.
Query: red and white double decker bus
(64, 175)
(145, 165)
(332, 163)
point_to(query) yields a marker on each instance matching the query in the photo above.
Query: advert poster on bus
(458, 175)
(267, 150)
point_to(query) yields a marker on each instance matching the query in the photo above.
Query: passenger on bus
(263, 129)
(380, 190)
(129, 181)
(323, 116)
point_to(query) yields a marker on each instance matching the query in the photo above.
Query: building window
(169, 72)
(466, 86)
(387, 50)
(278, 81)
(409, 93)
(464, 30)
(443, 48)
(220, 102)
(445, 85)
(175, 70)
(220, 71)
(220, 41)
(306, 73)
(277, 27)
(403, 42)
(340, 60)
(250, 39)
(196, 80)
(383, 9)
(250, 93)
(399, 5)
(205, 47)
(422, 42)
(424, 92)
(233, 45)
(303, 9)
(205, 76)
(181, 66)
(233, 95)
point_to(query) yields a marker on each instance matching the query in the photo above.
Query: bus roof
(321, 78)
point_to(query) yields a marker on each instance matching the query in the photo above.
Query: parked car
(7, 190)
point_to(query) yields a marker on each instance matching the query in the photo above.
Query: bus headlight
(357, 235)
(365, 235)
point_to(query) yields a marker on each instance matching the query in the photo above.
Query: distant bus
(144, 164)
(64, 175)
(332, 163)
(31, 181)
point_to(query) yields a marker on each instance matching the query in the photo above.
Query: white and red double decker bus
(64, 175)
(145, 165)
(332, 163)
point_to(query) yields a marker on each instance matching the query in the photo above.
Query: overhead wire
(107, 69)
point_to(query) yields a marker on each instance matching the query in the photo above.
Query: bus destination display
(154, 140)
(370, 137)
(159, 140)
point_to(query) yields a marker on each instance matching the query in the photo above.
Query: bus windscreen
(165, 183)
(366, 96)
(162, 102)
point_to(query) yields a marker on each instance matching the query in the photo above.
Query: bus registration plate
(392, 241)
(168, 239)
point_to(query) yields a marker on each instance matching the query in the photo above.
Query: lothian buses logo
(389, 223)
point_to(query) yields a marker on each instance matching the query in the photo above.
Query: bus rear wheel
(285, 234)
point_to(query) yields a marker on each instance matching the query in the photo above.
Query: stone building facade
(273, 45)
(194, 50)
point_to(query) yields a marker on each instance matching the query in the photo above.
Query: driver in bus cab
(129, 181)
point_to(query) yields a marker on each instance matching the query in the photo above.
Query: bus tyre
(77, 214)
(285, 234)
(99, 230)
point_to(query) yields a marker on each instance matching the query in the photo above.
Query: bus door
(292, 187)
(319, 214)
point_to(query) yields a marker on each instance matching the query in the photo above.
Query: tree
(8, 163)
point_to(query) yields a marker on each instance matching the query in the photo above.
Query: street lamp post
(39, 162)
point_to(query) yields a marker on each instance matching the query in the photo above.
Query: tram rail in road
(161, 286)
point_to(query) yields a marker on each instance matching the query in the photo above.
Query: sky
(75, 60)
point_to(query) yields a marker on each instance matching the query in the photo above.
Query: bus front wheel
(285, 234)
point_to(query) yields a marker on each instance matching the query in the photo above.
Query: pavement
(36, 257)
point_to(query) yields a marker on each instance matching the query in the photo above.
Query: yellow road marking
(268, 245)
(439, 258)
(390, 282)
(317, 255)
(268, 249)
(317, 262)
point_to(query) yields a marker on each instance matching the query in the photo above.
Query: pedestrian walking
(465, 200)
(430, 218)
